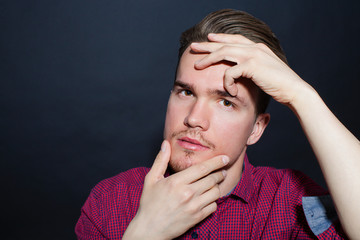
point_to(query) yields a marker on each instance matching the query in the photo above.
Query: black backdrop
(84, 88)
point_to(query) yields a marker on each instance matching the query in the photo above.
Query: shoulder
(130, 179)
(112, 202)
(289, 179)
(306, 205)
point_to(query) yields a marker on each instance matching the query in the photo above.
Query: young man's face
(203, 121)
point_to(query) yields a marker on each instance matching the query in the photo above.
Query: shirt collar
(245, 188)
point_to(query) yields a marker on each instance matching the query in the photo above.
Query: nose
(198, 116)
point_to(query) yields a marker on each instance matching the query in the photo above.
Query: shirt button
(194, 235)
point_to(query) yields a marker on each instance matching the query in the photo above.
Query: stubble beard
(186, 158)
(180, 163)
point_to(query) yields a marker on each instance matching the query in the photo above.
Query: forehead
(212, 77)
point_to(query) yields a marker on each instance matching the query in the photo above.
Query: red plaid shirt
(265, 204)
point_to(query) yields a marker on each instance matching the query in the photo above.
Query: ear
(262, 120)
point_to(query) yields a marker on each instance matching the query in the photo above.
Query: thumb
(160, 164)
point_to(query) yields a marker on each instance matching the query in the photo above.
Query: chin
(178, 165)
(183, 160)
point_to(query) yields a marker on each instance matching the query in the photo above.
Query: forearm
(338, 153)
(136, 230)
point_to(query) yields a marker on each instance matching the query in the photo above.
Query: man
(201, 184)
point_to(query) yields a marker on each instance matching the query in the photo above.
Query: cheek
(173, 118)
(232, 135)
(168, 123)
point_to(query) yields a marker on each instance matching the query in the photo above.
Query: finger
(229, 38)
(208, 47)
(208, 182)
(209, 197)
(205, 47)
(205, 212)
(161, 162)
(230, 53)
(209, 209)
(203, 169)
(234, 73)
(229, 85)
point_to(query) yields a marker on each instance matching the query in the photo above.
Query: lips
(191, 144)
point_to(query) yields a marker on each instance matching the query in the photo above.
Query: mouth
(191, 144)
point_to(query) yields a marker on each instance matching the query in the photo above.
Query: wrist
(139, 230)
(134, 231)
(305, 98)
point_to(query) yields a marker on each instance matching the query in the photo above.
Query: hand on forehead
(212, 78)
(200, 53)
(215, 53)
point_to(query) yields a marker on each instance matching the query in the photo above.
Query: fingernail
(211, 34)
(163, 146)
(197, 62)
(224, 173)
(194, 44)
(225, 159)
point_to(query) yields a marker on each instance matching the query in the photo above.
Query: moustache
(195, 135)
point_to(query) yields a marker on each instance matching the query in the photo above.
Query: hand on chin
(184, 158)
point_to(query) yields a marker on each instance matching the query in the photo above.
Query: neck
(233, 175)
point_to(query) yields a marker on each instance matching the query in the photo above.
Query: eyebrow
(225, 94)
(214, 92)
(181, 84)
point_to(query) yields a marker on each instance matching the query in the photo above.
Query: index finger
(160, 164)
(238, 39)
(229, 38)
(203, 169)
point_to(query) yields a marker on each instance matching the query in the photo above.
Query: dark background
(84, 88)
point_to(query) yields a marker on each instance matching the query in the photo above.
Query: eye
(186, 92)
(226, 103)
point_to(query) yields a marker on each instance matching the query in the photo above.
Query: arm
(338, 153)
(170, 206)
(337, 150)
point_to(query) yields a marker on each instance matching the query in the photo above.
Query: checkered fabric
(265, 204)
